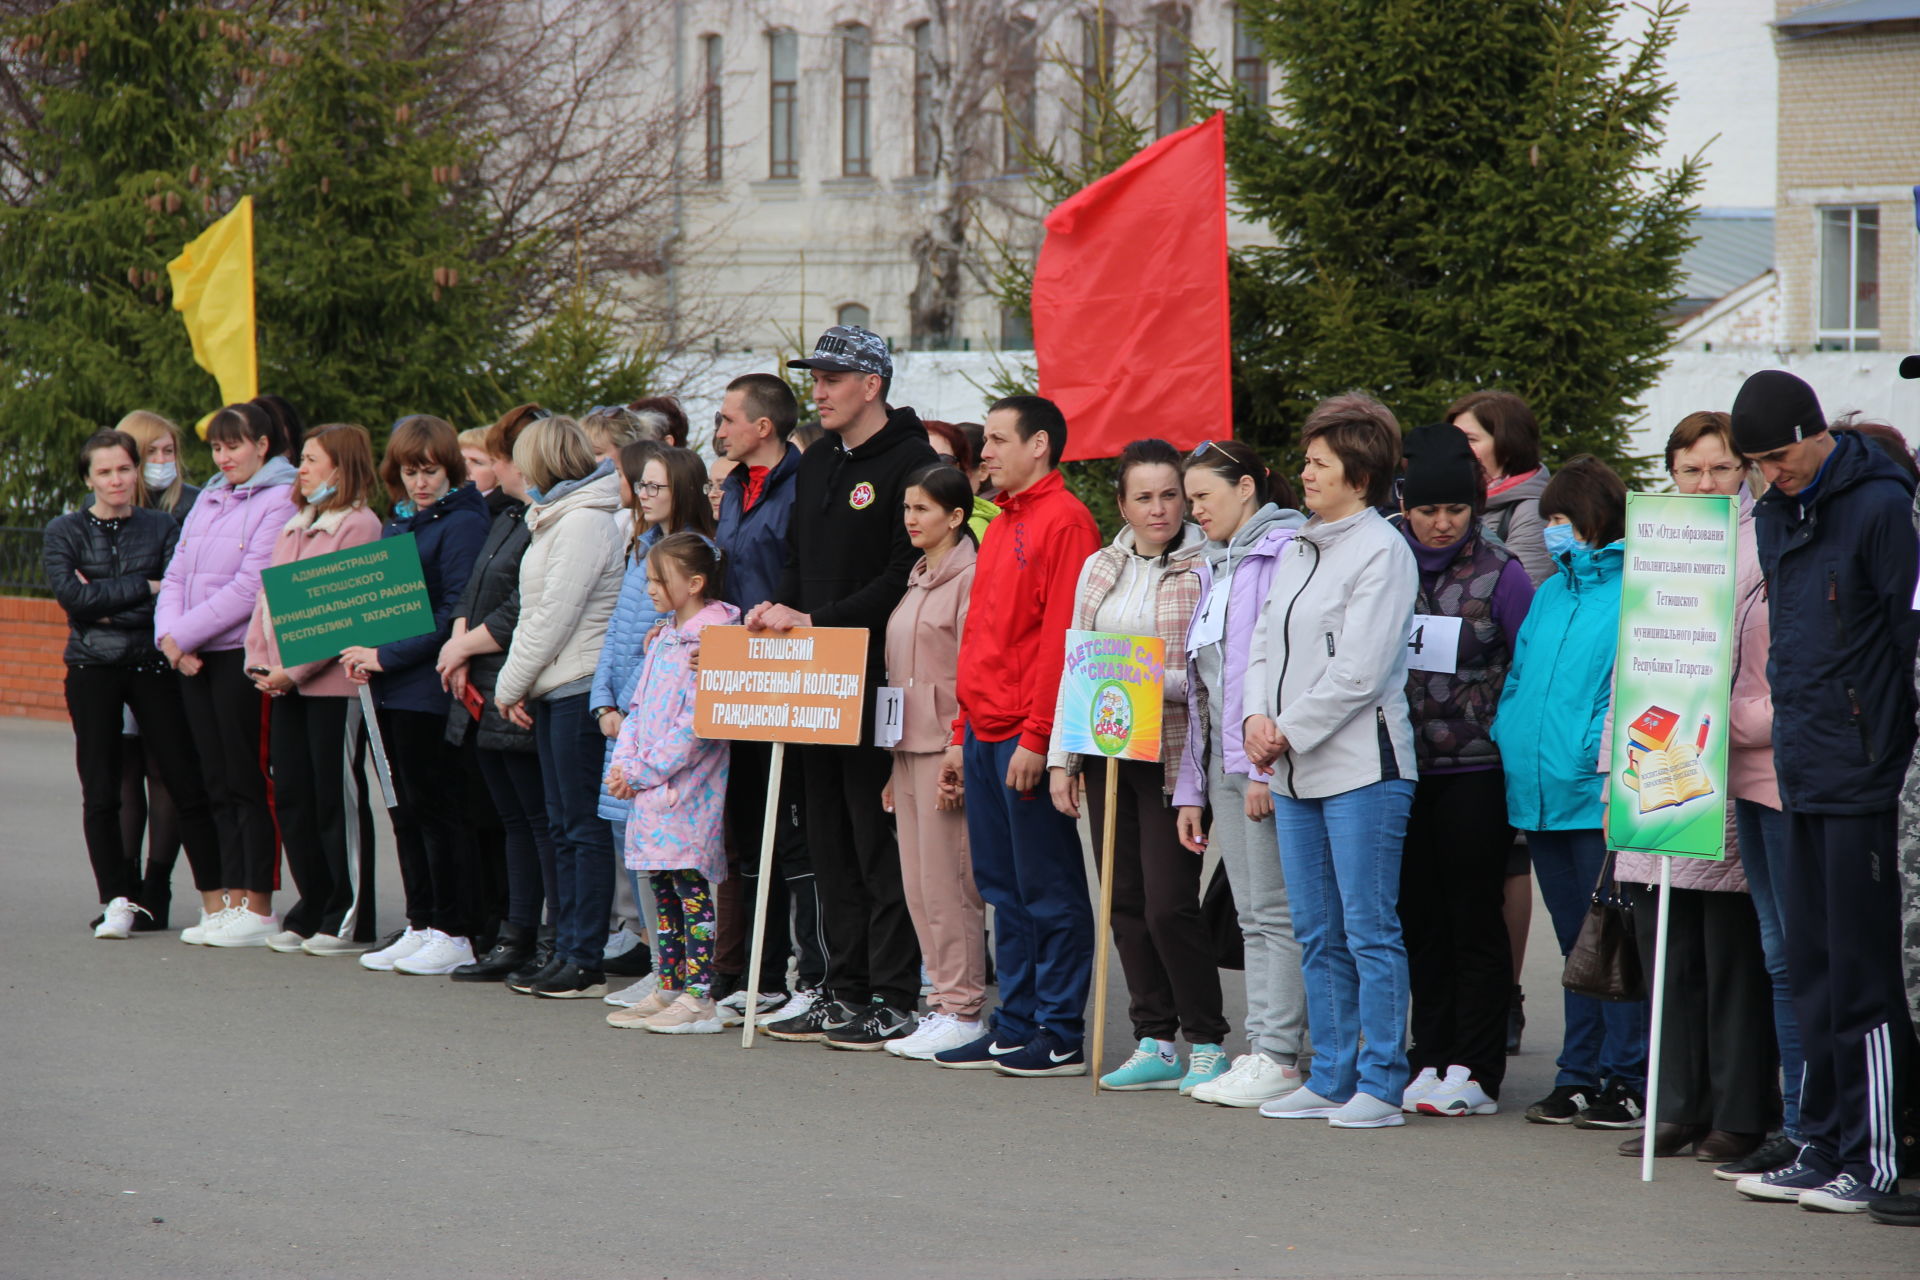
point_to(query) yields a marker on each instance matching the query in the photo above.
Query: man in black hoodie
(848, 558)
(1837, 545)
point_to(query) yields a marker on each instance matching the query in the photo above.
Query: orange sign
(804, 685)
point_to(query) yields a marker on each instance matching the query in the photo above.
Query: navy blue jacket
(450, 534)
(1840, 576)
(756, 541)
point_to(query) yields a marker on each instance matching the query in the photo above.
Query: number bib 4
(1434, 644)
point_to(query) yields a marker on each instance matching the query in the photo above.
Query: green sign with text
(368, 595)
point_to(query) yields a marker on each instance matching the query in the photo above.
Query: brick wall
(1849, 134)
(32, 634)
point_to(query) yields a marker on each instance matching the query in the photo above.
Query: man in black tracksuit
(847, 565)
(1837, 544)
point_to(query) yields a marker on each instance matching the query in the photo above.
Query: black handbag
(1605, 960)
(1222, 921)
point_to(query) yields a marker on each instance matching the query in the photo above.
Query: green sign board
(1667, 778)
(368, 595)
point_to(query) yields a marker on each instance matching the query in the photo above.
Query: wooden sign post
(1112, 688)
(804, 685)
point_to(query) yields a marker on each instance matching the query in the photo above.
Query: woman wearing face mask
(104, 564)
(1143, 584)
(146, 808)
(663, 490)
(1326, 710)
(569, 580)
(310, 750)
(1552, 713)
(200, 620)
(426, 477)
(1719, 1073)
(1228, 490)
(1454, 868)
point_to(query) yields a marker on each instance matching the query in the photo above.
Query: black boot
(1516, 1019)
(513, 948)
(542, 957)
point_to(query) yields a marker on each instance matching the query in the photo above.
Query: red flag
(1130, 300)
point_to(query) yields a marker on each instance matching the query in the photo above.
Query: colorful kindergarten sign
(1667, 789)
(1110, 695)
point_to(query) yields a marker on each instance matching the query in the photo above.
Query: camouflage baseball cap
(847, 348)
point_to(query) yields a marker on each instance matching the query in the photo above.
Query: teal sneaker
(1146, 1069)
(1204, 1062)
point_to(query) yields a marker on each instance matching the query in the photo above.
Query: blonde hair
(612, 430)
(553, 450)
(474, 438)
(146, 426)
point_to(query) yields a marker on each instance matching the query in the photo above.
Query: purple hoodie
(1253, 552)
(206, 598)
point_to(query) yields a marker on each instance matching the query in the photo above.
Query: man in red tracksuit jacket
(1027, 859)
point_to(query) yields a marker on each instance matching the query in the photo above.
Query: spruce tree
(1461, 194)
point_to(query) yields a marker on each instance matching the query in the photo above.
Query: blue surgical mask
(405, 510)
(1561, 540)
(534, 496)
(321, 494)
(160, 475)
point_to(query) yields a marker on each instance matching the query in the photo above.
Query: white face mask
(160, 475)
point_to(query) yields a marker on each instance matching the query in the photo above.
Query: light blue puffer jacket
(622, 656)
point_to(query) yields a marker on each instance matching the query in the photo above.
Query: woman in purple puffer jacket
(200, 624)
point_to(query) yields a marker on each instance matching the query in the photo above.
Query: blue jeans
(1028, 864)
(570, 746)
(1763, 847)
(1341, 857)
(1606, 1040)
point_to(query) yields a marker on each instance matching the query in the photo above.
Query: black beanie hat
(1441, 467)
(1773, 410)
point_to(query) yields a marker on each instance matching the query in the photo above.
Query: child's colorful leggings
(685, 900)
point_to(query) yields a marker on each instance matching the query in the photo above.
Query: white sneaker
(797, 1003)
(329, 944)
(1364, 1111)
(1423, 1084)
(733, 1010)
(442, 954)
(1304, 1104)
(619, 942)
(627, 997)
(1253, 1079)
(938, 1032)
(287, 943)
(118, 919)
(195, 935)
(245, 930)
(1458, 1095)
(403, 946)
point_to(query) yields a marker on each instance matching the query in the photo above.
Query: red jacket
(1021, 608)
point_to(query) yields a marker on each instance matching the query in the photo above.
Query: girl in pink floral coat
(678, 785)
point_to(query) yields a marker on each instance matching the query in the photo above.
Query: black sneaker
(1564, 1105)
(570, 982)
(636, 962)
(1896, 1211)
(880, 1024)
(1617, 1107)
(536, 972)
(1775, 1153)
(816, 1022)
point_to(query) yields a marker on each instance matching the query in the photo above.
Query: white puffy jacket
(569, 581)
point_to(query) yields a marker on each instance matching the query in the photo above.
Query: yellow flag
(213, 291)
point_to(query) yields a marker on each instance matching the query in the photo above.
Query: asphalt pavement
(184, 1111)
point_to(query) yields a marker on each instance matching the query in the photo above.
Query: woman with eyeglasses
(1248, 518)
(951, 446)
(1727, 1001)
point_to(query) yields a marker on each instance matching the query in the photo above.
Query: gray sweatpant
(1276, 996)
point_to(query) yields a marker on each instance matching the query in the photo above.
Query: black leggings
(224, 712)
(430, 829)
(147, 817)
(96, 696)
(325, 818)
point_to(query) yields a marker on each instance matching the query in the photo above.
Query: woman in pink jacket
(311, 750)
(200, 624)
(1719, 1073)
(923, 661)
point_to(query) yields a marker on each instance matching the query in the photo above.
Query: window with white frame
(783, 105)
(1249, 60)
(854, 313)
(1170, 45)
(710, 103)
(1849, 279)
(1022, 66)
(856, 79)
(924, 142)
